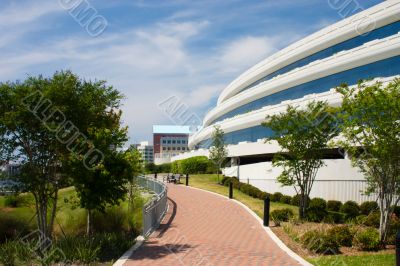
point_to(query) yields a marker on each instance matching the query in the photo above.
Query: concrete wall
(338, 180)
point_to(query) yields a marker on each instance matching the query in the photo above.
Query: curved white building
(364, 46)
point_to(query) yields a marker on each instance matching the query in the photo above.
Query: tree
(151, 168)
(103, 185)
(218, 151)
(135, 162)
(370, 119)
(44, 122)
(303, 135)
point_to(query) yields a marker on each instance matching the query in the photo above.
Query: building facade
(364, 46)
(169, 141)
(146, 151)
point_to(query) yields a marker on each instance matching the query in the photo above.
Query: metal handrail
(155, 210)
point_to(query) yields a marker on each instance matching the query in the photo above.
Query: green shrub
(164, 168)
(285, 199)
(360, 219)
(396, 211)
(12, 201)
(263, 195)
(333, 205)
(236, 183)
(334, 217)
(114, 219)
(319, 242)
(281, 215)
(394, 228)
(368, 206)
(373, 219)
(225, 180)
(276, 197)
(296, 200)
(99, 247)
(316, 210)
(194, 165)
(253, 191)
(342, 234)
(11, 226)
(80, 249)
(245, 188)
(367, 239)
(15, 253)
(351, 209)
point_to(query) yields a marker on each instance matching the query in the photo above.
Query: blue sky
(154, 49)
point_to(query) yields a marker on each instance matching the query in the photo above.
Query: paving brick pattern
(204, 229)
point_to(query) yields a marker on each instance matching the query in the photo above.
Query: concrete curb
(268, 230)
(139, 242)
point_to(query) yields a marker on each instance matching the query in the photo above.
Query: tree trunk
(88, 223)
(218, 174)
(130, 203)
(384, 221)
(303, 206)
(53, 214)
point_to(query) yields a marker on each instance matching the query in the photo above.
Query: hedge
(193, 165)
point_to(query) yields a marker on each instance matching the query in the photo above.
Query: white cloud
(245, 52)
(24, 12)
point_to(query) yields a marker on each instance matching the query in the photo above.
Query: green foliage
(11, 227)
(333, 205)
(12, 201)
(193, 165)
(47, 123)
(245, 188)
(295, 200)
(285, 199)
(351, 209)
(151, 168)
(164, 168)
(319, 242)
(97, 248)
(342, 234)
(77, 249)
(134, 163)
(396, 211)
(218, 151)
(370, 119)
(254, 192)
(225, 180)
(316, 210)
(302, 134)
(372, 219)
(276, 197)
(263, 195)
(15, 253)
(367, 239)
(281, 215)
(394, 228)
(334, 217)
(368, 206)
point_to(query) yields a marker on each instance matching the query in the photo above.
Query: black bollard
(266, 211)
(398, 248)
(155, 175)
(231, 190)
(187, 179)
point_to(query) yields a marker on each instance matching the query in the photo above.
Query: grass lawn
(364, 260)
(70, 219)
(209, 182)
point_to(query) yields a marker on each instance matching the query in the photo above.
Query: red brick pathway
(204, 229)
